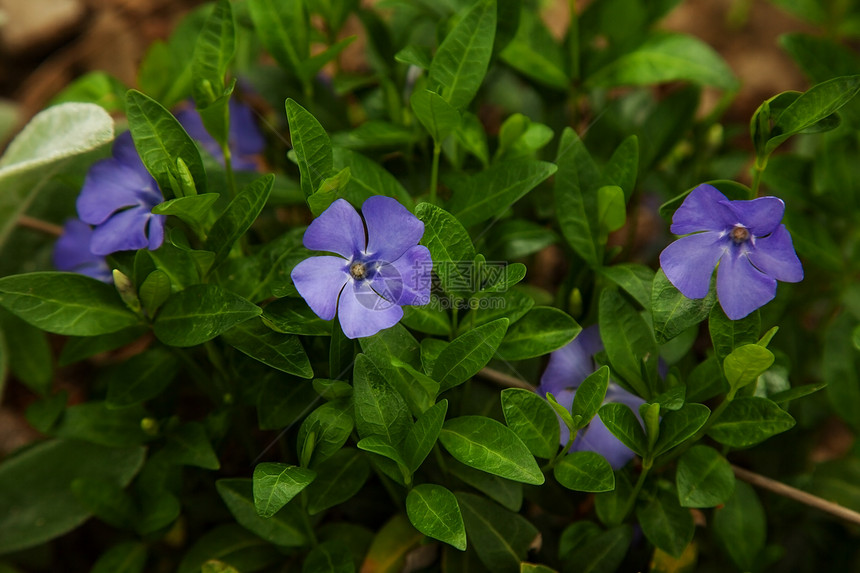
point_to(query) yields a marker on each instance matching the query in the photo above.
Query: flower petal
(126, 153)
(245, 136)
(391, 228)
(597, 438)
(123, 231)
(406, 280)
(689, 262)
(320, 280)
(108, 187)
(704, 209)
(571, 364)
(72, 249)
(156, 231)
(338, 230)
(774, 256)
(741, 288)
(761, 216)
(362, 312)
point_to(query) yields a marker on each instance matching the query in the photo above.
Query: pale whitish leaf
(42, 149)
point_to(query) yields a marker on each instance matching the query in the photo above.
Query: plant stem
(758, 169)
(701, 433)
(228, 166)
(434, 172)
(306, 518)
(39, 225)
(646, 467)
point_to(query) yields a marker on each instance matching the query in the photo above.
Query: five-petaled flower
(377, 271)
(245, 139)
(72, 252)
(568, 367)
(117, 198)
(746, 238)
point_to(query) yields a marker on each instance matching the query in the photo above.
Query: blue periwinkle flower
(72, 252)
(747, 240)
(375, 272)
(117, 199)
(245, 138)
(568, 367)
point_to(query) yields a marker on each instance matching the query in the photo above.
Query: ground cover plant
(507, 300)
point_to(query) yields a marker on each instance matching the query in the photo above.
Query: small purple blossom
(245, 138)
(117, 198)
(376, 273)
(747, 240)
(567, 368)
(72, 252)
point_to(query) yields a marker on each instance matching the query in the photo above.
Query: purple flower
(747, 240)
(72, 252)
(245, 139)
(376, 272)
(117, 198)
(567, 368)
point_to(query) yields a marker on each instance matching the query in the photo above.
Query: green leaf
(238, 217)
(294, 316)
(189, 445)
(330, 190)
(215, 566)
(542, 330)
(28, 353)
(438, 116)
(611, 210)
(283, 29)
(200, 313)
(745, 364)
(427, 320)
(461, 62)
(740, 527)
(628, 340)
(704, 478)
(391, 545)
(312, 147)
(727, 334)
(676, 426)
(276, 484)
(160, 140)
(376, 444)
(750, 420)
(215, 47)
(65, 303)
(665, 523)
(472, 137)
(419, 56)
(814, 105)
(602, 553)
(331, 425)
(503, 491)
(623, 167)
(590, 395)
(532, 420)
(107, 501)
(500, 537)
(379, 408)
(28, 520)
(421, 438)
(487, 445)
(797, 392)
(154, 291)
(231, 544)
(468, 353)
(194, 209)
(449, 245)
(126, 557)
(622, 422)
(43, 414)
(636, 280)
(329, 557)
(79, 348)
(672, 312)
(535, 53)
(47, 146)
(491, 192)
(576, 184)
(839, 369)
(285, 528)
(585, 471)
(94, 422)
(340, 477)
(434, 511)
(281, 351)
(667, 58)
(141, 377)
(367, 178)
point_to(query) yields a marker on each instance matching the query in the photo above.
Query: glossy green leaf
(750, 420)
(590, 395)
(636, 280)
(421, 438)
(294, 316)
(500, 537)
(200, 313)
(532, 420)
(434, 511)
(740, 527)
(331, 425)
(391, 545)
(94, 422)
(603, 553)
(503, 491)
(231, 544)
(284, 528)
(427, 320)
(665, 523)
(623, 167)
(154, 291)
(65, 303)
(340, 477)
(704, 478)
(622, 422)
(275, 484)
(584, 471)
(542, 330)
(672, 312)
(449, 245)
(676, 426)
(437, 116)
(215, 47)
(238, 217)
(534, 52)
(311, 145)
(726, 334)
(160, 140)
(487, 445)
(283, 29)
(379, 408)
(125, 557)
(745, 364)
(141, 377)
(460, 63)
(27, 520)
(329, 557)
(107, 501)
(468, 353)
(28, 354)
(839, 369)
(281, 351)
(576, 184)
(628, 340)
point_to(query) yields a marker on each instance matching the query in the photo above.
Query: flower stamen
(740, 234)
(358, 271)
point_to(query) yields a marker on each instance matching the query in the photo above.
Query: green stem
(628, 506)
(228, 166)
(715, 415)
(306, 518)
(573, 40)
(758, 169)
(434, 172)
(454, 322)
(561, 453)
